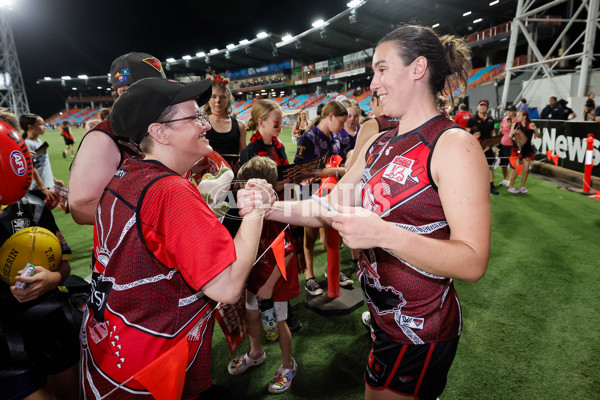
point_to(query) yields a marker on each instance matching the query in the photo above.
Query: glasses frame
(199, 117)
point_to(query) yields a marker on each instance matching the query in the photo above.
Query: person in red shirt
(462, 116)
(161, 258)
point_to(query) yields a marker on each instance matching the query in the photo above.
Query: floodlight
(170, 60)
(478, 20)
(82, 76)
(187, 57)
(244, 41)
(213, 51)
(99, 87)
(47, 78)
(200, 54)
(467, 14)
(230, 46)
(261, 35)
(435, 25)
(353, 3)
(66, 77)
(318, 23)
(493, 3)
(286, 38)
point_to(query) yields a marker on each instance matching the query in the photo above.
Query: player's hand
(358, 227)
(40, 283)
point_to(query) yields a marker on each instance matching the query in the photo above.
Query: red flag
(555, 159)
(164, 377)
(513, 161)
(278, 247)
(549, 154)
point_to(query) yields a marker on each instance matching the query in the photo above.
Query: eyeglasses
(198, 117)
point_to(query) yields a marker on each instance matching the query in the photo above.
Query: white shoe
(505, 182)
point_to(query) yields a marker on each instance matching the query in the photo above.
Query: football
(16, 170)
(35, 245)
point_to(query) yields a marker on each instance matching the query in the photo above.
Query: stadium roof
(357, 28)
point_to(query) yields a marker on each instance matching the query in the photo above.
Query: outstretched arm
(460, 172)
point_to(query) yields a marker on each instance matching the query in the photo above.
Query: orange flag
(164, 377)
(519, 169)
(555, 159)
(549, 155)
(278, 247)
(513, 161)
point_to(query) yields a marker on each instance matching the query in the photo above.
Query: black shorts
(68, 141)
(490, 156)
(410, 370)
(505, 153)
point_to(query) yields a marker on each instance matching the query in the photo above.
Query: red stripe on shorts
(393, 371)
(425, 365)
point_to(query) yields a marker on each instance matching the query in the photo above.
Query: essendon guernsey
(156, 243)
(410, 305)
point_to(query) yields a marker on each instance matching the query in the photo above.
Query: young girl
(267, 120)
(33, 127)
(524, 152)
(321, 140)
(265, 280)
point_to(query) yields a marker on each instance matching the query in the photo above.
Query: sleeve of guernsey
(183, 233)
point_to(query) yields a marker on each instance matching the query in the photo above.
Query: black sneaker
(493, 190)
(344, 280)
(312, 287)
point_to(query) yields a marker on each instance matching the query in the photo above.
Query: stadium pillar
(588, 47)
(510, 58)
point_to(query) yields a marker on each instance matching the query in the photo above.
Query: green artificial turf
(530, 324)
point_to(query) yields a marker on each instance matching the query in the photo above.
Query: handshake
(256, 197)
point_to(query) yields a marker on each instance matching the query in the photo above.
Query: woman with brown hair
(416, 202)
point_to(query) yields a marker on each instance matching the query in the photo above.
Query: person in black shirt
(484, 124)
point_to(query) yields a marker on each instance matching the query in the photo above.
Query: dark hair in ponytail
(25, 120)
(448, 57)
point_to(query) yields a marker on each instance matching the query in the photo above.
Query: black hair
(25, 120)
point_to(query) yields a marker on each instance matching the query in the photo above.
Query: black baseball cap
(131, 67)
(144, 101)
(511, 107)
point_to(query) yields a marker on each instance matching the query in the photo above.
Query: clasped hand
(257, 195)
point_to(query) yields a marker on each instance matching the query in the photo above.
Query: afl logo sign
(18, 162)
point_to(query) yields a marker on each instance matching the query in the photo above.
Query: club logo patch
(399, 169)
(154, 63)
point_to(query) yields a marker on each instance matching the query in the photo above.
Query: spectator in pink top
(506, 142)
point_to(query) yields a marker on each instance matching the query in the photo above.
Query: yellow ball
(35, 245)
